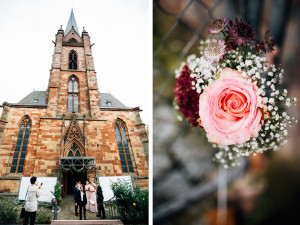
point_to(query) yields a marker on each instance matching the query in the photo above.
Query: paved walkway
(87, 222)
(68, 210)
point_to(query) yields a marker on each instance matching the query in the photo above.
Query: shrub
(132, 202)
(8, 214)
(43, 217)
(10, 211)
(57, 193)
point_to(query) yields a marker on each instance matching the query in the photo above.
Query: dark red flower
(258, 46)
(241, 32)
(267, 45)
(187, 99)
(229, 45)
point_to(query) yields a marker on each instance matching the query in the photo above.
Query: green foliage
(132, 202)
(43, 217)
(57, 193)
(8, 212)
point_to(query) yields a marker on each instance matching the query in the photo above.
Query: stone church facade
(71, 124)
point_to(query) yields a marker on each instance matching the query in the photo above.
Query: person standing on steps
(82, 202)
(31, 205)
(100, 199)
(93, 202)
(76, 193)
(87, 192)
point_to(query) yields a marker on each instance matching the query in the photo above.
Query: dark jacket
(84, 202)
(76, 192)
(100, 197)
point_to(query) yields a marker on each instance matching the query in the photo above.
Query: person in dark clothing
(100, 199)
(76, 193)
(82, 202)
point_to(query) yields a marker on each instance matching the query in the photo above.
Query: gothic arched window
(21, 146)
(73, 60)
(74, 151)
(73, 103)
(124, 152)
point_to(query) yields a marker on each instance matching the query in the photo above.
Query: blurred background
(265, 189)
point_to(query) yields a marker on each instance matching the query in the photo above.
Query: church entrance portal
(70, 178)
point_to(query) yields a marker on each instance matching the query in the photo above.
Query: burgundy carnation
(187, 98)
(241, 32)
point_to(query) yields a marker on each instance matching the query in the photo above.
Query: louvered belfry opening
(73, 60)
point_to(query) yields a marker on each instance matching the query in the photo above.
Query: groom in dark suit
(82, 202)
(76, 193)
(100, 199)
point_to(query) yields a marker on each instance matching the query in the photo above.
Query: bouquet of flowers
(233, 93)
(53, 198)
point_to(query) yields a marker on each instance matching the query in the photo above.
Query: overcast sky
(120, 30)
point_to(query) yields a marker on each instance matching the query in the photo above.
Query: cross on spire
(71, 24)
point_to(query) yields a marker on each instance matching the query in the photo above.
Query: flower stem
(224, 34)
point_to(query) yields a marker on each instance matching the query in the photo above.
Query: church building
(71, 130)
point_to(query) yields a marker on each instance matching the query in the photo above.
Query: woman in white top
(87, 193)
(31, 205)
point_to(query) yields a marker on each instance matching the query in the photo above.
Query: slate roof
(71, 23)
(39, 97)
(108, 100)
(34, 98)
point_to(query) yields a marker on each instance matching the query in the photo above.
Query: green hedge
(132, 202)
(10, 210)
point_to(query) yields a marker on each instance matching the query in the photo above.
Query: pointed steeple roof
(71, 24)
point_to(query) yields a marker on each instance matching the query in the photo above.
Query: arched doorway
(70, 177)
(73, 169)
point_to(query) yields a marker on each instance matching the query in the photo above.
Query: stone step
(86, 222)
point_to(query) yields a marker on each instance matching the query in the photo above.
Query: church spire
(71, 24)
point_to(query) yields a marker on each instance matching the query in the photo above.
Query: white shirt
(81, 194)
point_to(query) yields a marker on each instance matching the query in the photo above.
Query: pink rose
(229, 109)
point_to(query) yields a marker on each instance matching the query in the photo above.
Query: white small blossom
(248, 62)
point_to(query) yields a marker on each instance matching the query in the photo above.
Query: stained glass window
(122, 143)
(76, 103)
(73, 100)
(73, 60)
(21, 146)
(74, 151)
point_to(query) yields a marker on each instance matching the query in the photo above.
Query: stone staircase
(86, 222)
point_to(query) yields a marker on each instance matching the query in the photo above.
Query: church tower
(73, 84)
(71, 131)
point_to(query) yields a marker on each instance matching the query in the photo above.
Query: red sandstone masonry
(45, 140)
